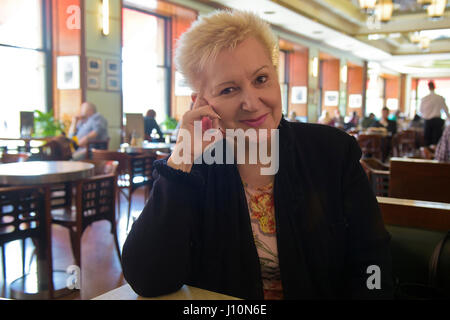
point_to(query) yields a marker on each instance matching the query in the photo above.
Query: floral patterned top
(262, 215)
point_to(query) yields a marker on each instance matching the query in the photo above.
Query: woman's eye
(261, 79)
(228, 90)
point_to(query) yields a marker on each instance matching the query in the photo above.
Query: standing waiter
(430, 108)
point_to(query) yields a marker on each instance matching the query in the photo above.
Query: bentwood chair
(95, 201)
(96, 144)
(377, 174)
(23, 215)
(135, 172)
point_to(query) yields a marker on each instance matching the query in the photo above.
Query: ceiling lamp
(384, 10)
(436, 9)
(367, 5)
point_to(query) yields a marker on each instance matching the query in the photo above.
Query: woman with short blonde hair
(310, 229)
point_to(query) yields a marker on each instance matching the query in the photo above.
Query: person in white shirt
(430, 108)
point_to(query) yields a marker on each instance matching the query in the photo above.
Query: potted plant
(45, 125)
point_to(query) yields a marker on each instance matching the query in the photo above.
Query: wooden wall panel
(298, 76)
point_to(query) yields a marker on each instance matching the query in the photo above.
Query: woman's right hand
(203, 112)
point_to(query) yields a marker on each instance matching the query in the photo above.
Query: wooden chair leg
(75, 241)
(4, 264)
(130, 194)
(116, 239)
(24, 254)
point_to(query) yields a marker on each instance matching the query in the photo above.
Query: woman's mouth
(256, 122)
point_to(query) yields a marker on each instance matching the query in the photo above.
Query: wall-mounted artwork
(112, 67)
(94, 65)
(113, 83)
(298, 94)
(93, 81)
(355, 101)
(68, 72)
(331, 98)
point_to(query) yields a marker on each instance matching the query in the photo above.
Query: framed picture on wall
(331, 98)
(298, 94)
(68, 72)
(112, 67)
(94, 65)
(112, 83)
(355, 101)
(93, 81)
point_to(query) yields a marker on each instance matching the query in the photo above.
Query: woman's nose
(250, 100)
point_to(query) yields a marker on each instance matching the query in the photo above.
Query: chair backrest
(122, 158)
(404, 143)
(378, 175)
(419, 179)
(141, 167)
(23, 214)
(104, 166)
(96, 195)
(439, 275)
(57, 149)
(14, 157)
(370, 145)
(96, 144)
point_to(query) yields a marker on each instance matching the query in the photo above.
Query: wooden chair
(96, 144)
(23, 215)
(404, 143)
(95, 201)
(370, 145)
(14, 157)
(135, 171)
(378, 175)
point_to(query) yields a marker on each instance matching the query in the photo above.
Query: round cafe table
(147, 147)
(45, 174)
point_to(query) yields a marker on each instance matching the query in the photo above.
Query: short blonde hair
(217, 31)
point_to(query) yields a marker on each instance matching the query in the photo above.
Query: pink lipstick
(255, 122)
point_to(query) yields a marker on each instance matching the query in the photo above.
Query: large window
(22, 62)
(145, 67)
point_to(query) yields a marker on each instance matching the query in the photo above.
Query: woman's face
(242, 86)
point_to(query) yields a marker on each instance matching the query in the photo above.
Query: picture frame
(93, 81)
(113, 67)
(355, 101)
(299, 95)
(113, 83)
(68, 72)
(331, 98)
(94, 65)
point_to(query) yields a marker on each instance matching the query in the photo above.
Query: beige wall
(109, 103)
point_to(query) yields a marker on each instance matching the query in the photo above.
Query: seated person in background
(442, 152)
(325, 118)
(293, 117)
(89, 125)
(369, 121)
(353, 122)
(390, 125)
(150, 124)
(338, 120)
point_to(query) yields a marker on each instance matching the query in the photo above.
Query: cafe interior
(63, 221)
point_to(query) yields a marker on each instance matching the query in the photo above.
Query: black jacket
(195, 228)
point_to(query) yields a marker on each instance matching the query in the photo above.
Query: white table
(185, 293)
